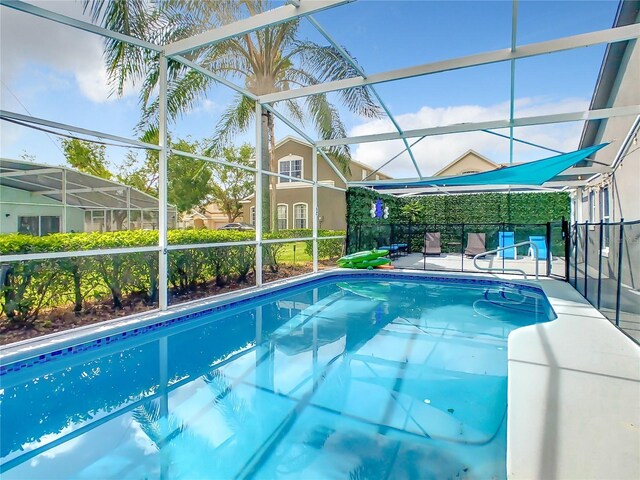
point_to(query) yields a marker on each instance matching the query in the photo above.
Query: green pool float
(358, 259)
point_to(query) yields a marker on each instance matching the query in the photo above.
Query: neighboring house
(469, 162)
(613, 194)
(39, 199)
(294, 199)
(211, 217)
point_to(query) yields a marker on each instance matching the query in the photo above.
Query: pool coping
(580, 348)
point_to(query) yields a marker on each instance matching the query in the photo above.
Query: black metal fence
(604, 266)
(453, 241)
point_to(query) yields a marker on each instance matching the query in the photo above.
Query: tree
(188, 179)
(230, 185)
(88, 157)
(268, 60)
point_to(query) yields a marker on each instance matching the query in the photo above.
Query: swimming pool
(343, 377)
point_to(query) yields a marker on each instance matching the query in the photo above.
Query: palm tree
(266, 61)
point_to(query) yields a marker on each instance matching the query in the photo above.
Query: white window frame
(592, 206)
(286, 216)
(306, 215)
(605, 216)
(290, 158)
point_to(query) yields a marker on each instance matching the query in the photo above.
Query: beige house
(294, 199)
(469, 162)
(211, 217)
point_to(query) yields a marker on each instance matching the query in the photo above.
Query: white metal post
(162, 186)
(128, 208)
(64, 200)
(314, 177)
(258, 194)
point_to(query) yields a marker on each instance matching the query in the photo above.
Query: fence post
(600, 266)
(620, 252)
(548, 240)
(575, 257)
(566, 236)
(586, 257)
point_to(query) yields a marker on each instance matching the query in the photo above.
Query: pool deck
(573, 392)
(574, 395)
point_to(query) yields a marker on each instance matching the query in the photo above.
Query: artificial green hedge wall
(515, 208)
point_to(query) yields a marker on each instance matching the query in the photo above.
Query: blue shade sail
(530, 173)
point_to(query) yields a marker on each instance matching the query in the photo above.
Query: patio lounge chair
(475, 244)
(541, 243)
(432, 244)
(506, 239)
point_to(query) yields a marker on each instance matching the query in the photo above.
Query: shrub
(32, 285)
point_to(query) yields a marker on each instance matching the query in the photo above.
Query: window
(592, 206)
(604, 202)
(290, 167)
(283, 214)
(252, 215)
(364, 173)
(38, 226)
(300, 215)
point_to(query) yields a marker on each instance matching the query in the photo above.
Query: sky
(59, 74)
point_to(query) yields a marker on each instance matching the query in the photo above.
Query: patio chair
(541, 243)
(506, 239)
(475, 244)
(432, 244)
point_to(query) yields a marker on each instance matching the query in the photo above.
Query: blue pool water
(355, 379)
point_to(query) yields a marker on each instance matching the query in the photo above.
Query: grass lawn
(286, 255)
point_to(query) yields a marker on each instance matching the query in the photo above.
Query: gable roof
(462, 157)
(291, 138)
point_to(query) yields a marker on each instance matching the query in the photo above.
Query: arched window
(283, 216)
(300, 215)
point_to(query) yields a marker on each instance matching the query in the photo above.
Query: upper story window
(291, 167)
(364, 173)
(592, 206)
(252, 214)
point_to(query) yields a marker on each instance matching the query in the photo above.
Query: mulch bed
(64, 318)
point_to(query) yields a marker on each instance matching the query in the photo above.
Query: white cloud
(28, 40)
(435, 152)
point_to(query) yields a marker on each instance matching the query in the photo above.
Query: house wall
(624, 182)
(470, 163)
(16, 203)
(331, 203)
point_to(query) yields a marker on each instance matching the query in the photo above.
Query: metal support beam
(610, 35)
(258, 194)
(256, 22)
(62, 126)
(359, 69)
(314, 177)
(514, 27)
(35, 171)
(163, 142)
(79, 24)
(490, 125)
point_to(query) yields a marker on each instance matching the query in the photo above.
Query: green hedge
(31, 286)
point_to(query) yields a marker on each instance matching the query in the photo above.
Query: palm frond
(234, 120)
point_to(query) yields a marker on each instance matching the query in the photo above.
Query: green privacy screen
(531, 173)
